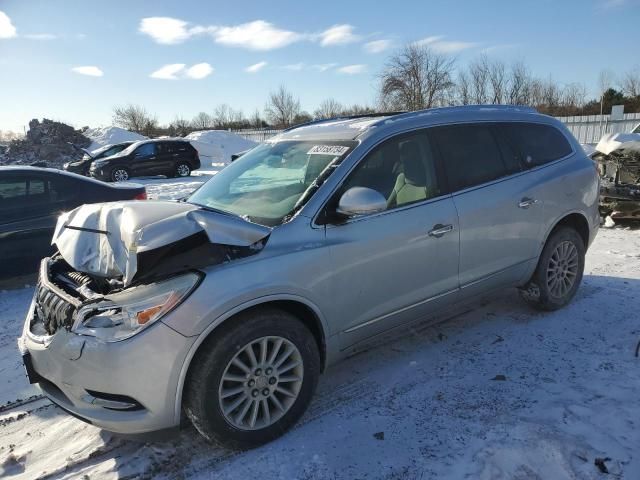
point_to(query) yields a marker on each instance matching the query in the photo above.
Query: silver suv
(228, 306)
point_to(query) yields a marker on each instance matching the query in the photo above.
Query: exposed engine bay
(114, 250)
(618, 157)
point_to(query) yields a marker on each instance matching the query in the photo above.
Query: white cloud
(167, 30)
(338, 35)
(377, 46)
(89, 70)
(256, 35)
(256, 67)
(439, 45)
(199, 71)
(7, 30)
(608, 4)
(294, 67)
(323, 67)
(352, 69)
(175, 71)
(168, 72)
(500, 48)
(40, 36)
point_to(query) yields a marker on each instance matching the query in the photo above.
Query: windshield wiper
(216, 210)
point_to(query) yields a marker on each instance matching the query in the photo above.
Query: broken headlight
(123, 314)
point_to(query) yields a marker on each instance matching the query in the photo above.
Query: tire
(119, 174)
(562, 259)
(206, 394)
(182, 170)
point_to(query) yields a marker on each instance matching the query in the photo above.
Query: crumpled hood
(622, 142)
(104, 239)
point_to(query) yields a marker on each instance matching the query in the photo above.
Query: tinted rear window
(470, 155)
(538, 144)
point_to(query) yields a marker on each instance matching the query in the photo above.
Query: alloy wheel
(183, 170)
(261, 383)
(120, 175)
(562, 269)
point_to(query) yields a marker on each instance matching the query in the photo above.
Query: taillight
(141, 196)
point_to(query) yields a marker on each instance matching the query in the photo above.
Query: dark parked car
(173, 158)
(31, 200)
(83, 165)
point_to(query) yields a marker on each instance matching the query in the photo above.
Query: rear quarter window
(538, 144)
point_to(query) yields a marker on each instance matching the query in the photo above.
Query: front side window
(146, 150)
(538, 144)
(470, 155)
(272, 181)
(12, 189)
(402, 169)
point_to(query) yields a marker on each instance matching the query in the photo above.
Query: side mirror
(361, 201)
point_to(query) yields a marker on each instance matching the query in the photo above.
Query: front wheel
(253, 380)
(559, 271)
(119, 174)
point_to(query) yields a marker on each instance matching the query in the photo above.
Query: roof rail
(345, 117)
(473, 108)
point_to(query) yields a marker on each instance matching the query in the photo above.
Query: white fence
(258, 134)
(586, 128)
(591, 128)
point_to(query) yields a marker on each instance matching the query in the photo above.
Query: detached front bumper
(126, 387)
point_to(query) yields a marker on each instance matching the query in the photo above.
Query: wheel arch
(304, 310)
(576, 220)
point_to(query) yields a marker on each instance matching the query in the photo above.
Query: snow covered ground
(218, 145)
(496, 391)
(102, 136)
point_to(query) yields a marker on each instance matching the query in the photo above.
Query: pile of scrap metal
(618, 157)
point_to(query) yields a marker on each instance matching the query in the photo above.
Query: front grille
(52, 310)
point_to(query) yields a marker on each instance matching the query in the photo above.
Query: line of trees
(413, 78)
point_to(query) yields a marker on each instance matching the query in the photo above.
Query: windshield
(270, 182)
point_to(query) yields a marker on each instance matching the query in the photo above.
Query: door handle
(439, 230)
(526, 202)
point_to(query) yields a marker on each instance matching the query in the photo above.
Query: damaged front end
(618, 158)
(122, 266)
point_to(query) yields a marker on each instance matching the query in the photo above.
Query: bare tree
(416, 78)
(328, 108)
(181, 126)
(463, 88)
(631, 83)
(356, 109)
(134, 118)
(282, 107)
(498, 81)
(519, 84)
(479, 77)
(202, 121)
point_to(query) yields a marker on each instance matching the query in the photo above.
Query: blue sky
(74, 60)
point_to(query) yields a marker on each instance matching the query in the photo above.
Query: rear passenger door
(499, 205)
(145, 160)
(164, 158)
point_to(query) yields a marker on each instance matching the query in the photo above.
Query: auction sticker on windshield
(327, 150)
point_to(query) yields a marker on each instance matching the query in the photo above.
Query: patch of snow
(609, 223)
(218, 145)
(102, 136)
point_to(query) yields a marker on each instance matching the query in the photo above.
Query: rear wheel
(183, 170)
(119, 174)
(253, 380)
(559, 271)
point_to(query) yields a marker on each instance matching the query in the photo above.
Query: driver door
(400, 264)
